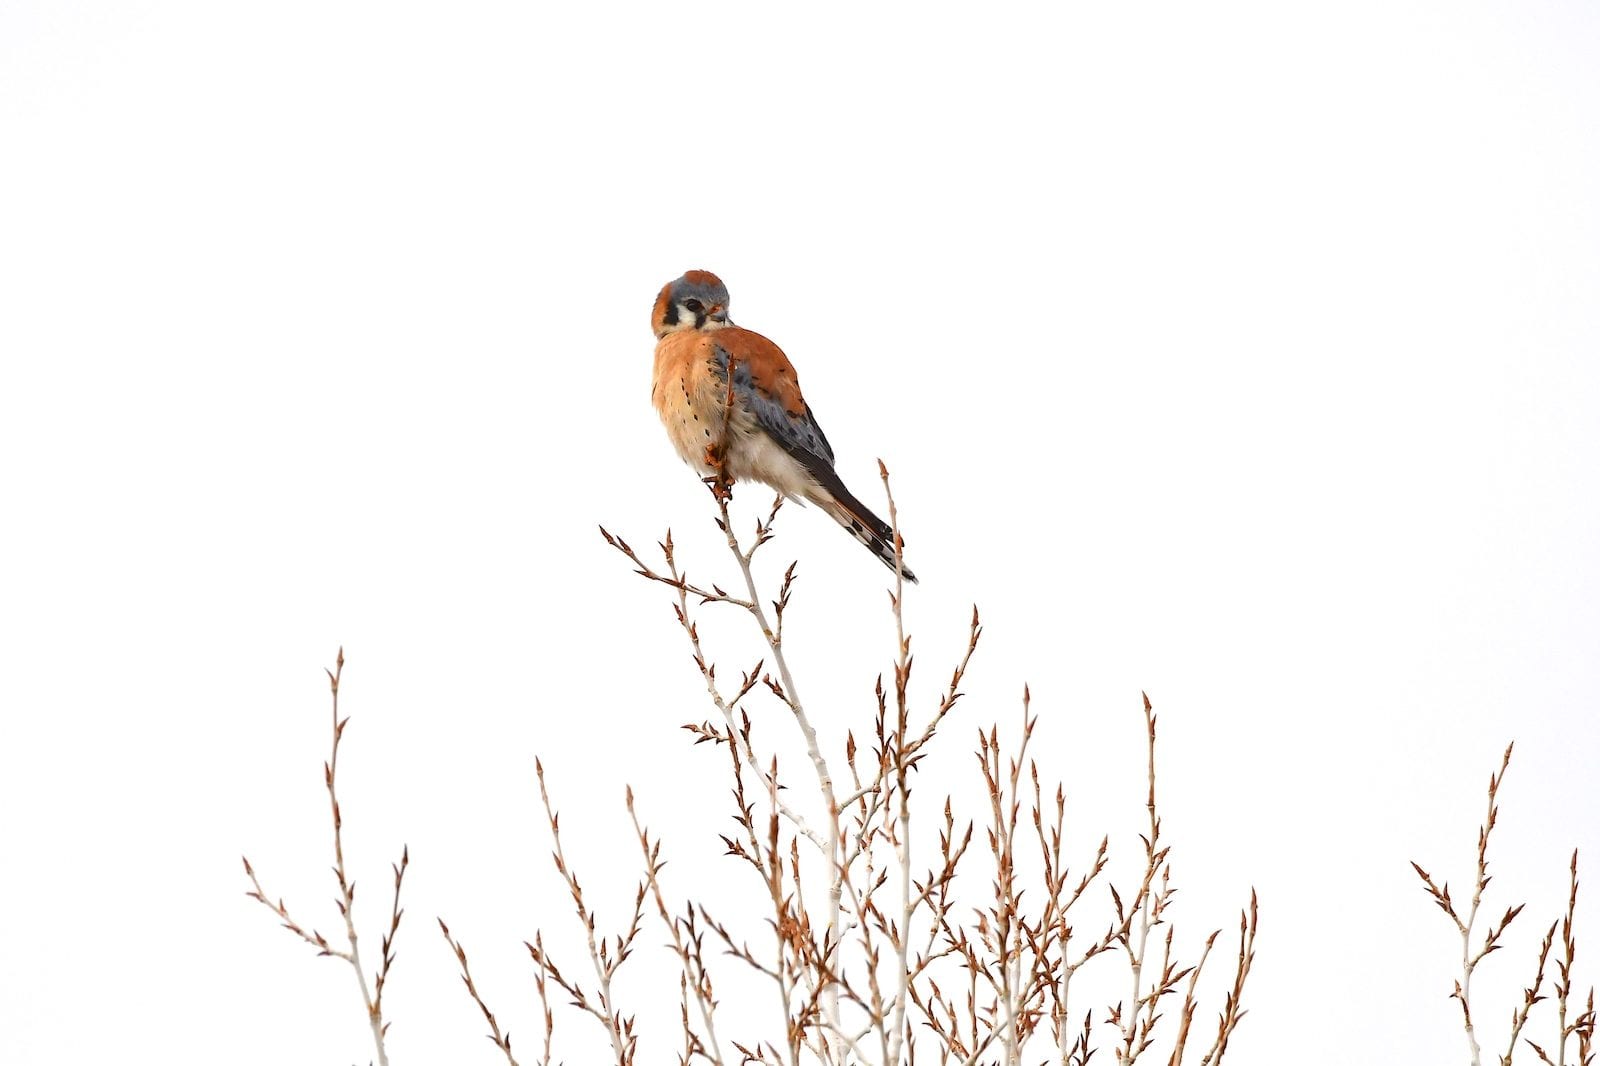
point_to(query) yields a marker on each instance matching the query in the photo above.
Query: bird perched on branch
(754, 425)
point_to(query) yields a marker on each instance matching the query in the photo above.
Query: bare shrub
(877, 955)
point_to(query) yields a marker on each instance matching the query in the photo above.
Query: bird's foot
(719, 482)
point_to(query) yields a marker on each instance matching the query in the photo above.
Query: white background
(1240, 353)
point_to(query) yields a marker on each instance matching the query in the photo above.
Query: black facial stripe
(671, 317)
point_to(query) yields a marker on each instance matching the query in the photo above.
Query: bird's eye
(694, 305)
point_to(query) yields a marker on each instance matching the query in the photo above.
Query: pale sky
(1242, 354)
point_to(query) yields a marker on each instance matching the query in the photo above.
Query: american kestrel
(774, 438)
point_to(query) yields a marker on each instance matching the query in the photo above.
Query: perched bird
(773, 437)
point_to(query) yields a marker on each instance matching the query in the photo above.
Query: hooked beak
(717, 313)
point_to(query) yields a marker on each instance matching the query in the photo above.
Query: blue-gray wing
(766, 387)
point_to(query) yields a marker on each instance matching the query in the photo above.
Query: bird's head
(698, 300)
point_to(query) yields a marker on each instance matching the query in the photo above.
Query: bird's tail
(866, 527)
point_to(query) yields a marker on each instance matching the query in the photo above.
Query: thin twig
(501, 1040)
(371, 1000)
